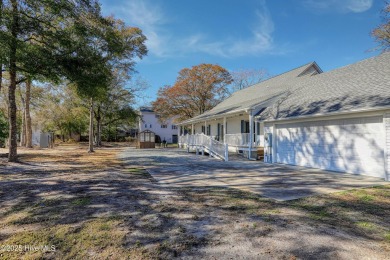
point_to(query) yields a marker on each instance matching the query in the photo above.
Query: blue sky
(276, 35)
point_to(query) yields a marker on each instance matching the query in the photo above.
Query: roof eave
(367, 110)
(230, 113)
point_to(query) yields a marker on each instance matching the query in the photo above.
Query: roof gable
(311, 70)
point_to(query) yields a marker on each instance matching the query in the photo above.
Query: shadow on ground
(117, 210)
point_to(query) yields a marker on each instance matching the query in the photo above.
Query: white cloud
(261, 40)
(150, 18)
(164, 43)
(359, 6)
(342, 6)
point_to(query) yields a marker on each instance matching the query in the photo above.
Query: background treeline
(63, 64)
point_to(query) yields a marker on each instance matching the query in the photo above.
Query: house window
(220, 132)
(150, 125)
(174, 127)
(244, 126)
(203, 129)
(146, 125)
(157, 116)
(164, 126)
(209, 130)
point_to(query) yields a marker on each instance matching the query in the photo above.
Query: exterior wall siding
(386, 123)
(354, 145)
(234, 124)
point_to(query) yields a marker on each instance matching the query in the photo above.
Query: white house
(149, 120)
(337, 120)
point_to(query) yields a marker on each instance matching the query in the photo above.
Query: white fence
(209, 143)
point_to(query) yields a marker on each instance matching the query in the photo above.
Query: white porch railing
(260, 140)
(212, 146)
(243, 140)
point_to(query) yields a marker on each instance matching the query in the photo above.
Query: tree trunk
(27, 114)
(99, 135)
(1, 73)
(23, 116)
(90, 149)
(52, 140)
(23, 129)
(13, 131)
(99, 128)
(1, 58)
(109, 132)
(116, 133)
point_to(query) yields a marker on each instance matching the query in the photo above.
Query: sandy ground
(59, 196)
(176, 168)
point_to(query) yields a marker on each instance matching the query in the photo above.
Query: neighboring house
(337, 120)
(149, 120)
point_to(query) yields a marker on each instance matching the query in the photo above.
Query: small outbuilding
(146, 139)
(42, 139)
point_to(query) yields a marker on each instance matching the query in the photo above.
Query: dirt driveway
(96, 206)
(176, 168)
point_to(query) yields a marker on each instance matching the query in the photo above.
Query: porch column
(178, 136)
(224, 130)
(192, 129)
(250, 133)
(255, 132)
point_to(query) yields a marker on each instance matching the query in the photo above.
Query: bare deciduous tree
(246, 78)
(382, 32)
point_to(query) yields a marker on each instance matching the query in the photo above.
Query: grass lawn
(67, 204)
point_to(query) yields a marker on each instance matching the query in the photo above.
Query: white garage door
(347, 145)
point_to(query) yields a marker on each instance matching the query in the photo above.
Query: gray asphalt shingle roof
(360, 86)
(302, 91)
(146, 109)
(263, 93)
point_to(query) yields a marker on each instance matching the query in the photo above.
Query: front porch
(236, 133)
(230, 143)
